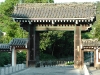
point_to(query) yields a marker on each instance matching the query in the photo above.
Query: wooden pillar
(13, 56)
(33, 46)
(95, 58)
(82, 58)
(97, 64)
(77, 47)
(27, 57)
(37, 51)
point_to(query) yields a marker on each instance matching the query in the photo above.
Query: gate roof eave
(90, 43)
(4, 47)
(19, 42)
(69, 20)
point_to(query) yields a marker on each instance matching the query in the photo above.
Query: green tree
(57, 43)
(21, 57)
(7, 24)
(97, 23)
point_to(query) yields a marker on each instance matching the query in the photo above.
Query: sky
(2, 0)
(62, 1)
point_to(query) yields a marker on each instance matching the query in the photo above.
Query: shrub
(69, 63)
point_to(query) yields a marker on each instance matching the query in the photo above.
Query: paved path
(94, 71)
(56, 70)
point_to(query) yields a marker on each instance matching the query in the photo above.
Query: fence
(53, 63)
(7, 70)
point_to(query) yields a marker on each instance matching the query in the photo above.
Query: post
(77, 47)
(13, 56)
(95, 57)
(33, 46)
(37, 40)
(82, 57)
(27, 57)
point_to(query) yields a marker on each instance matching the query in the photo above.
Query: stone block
(2, 72)
(10, 70)
(13, 69)
(16, 67)
(19, 66)
(6, 70)
(22, 66)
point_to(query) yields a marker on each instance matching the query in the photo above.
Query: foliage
(44, 56)
(21, 57)
(57, 43)
(7, 24)
(69, 63)
(5, 58)
(38, 1)
(97, 23)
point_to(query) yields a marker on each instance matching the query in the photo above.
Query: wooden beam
(62, 28)
(88, 50)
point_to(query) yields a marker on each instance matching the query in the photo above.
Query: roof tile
(19, 42)
(54, 10)
(4, 47)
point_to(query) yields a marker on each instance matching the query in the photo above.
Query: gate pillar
(77, 47)
(33, 46)
(13, 56)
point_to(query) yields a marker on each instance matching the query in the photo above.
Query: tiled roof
(90, 42)
(5, 47)
(98, 43)
(19, 42)
(54, 10)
